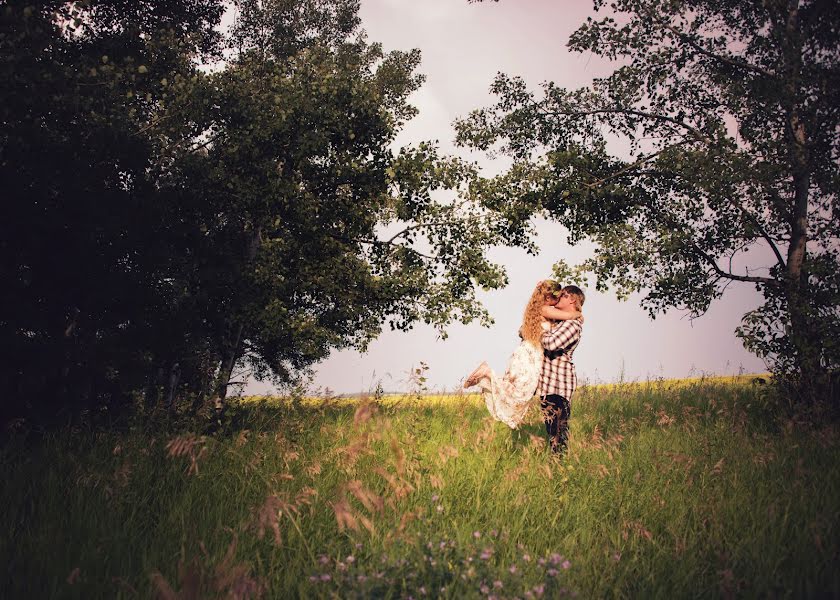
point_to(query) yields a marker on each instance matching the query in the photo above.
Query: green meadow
(697, 488)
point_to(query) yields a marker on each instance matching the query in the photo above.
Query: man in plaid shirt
(557, 379)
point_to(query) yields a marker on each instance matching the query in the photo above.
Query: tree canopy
(180, 201)
(730, 112)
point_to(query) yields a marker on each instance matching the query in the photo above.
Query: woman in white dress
(507, 397)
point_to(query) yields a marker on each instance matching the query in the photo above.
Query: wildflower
(350, 559)
(313, 578)
(439, 508)
(566, 564)
(484, 589)
(442, 545)
(541, 561)
(323, 559)
(435, 498)
(552, 572)
(526, 557)
(512, 569)
(325, 577)
(476, 534)
(539, 590)
(422, 590)
(617, 556)
(497, 584)
(555, 558)
(494, 533)
(486, 554)
(361, 578)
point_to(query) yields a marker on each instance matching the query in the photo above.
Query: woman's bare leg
(473, 378)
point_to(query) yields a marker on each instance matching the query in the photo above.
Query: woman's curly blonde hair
(531, 330)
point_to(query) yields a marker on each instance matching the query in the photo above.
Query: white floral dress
(507, 397)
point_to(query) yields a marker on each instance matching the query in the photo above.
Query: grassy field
(670, 489)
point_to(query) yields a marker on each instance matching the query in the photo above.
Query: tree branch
(685, 38)
(383, 243)
(631, 166)
(769, 281)
(631, 111)
(761, 230)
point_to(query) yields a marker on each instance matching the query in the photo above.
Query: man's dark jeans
(556, 411)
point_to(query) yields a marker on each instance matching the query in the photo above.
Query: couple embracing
(542, 364)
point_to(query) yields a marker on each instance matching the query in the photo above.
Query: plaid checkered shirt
(558, 371)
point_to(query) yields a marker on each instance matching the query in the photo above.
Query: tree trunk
(172, 385)
(230, 354)
(232, 351)
(802, 335)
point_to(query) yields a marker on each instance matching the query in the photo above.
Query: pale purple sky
(463, 47)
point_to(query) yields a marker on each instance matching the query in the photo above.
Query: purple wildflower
(566, 564)
(325, 577)
(552, 572)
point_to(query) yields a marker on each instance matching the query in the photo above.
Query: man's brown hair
(575, 291)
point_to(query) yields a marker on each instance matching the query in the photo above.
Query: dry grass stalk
(242, 438)
(664, 419)
(227, 579)
(364, 412)
(447, 452)
(537, 443)
(350, 454)
(347, 518)
(189, 445)
(399, 486)
(268, 516)
(371, 501)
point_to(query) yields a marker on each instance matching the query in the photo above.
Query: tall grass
(668, 489)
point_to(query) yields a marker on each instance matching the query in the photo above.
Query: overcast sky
(463, 47)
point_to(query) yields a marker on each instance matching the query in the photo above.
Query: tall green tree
(82, 82)
(731, 111)
(326, 231)
(180, 202)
